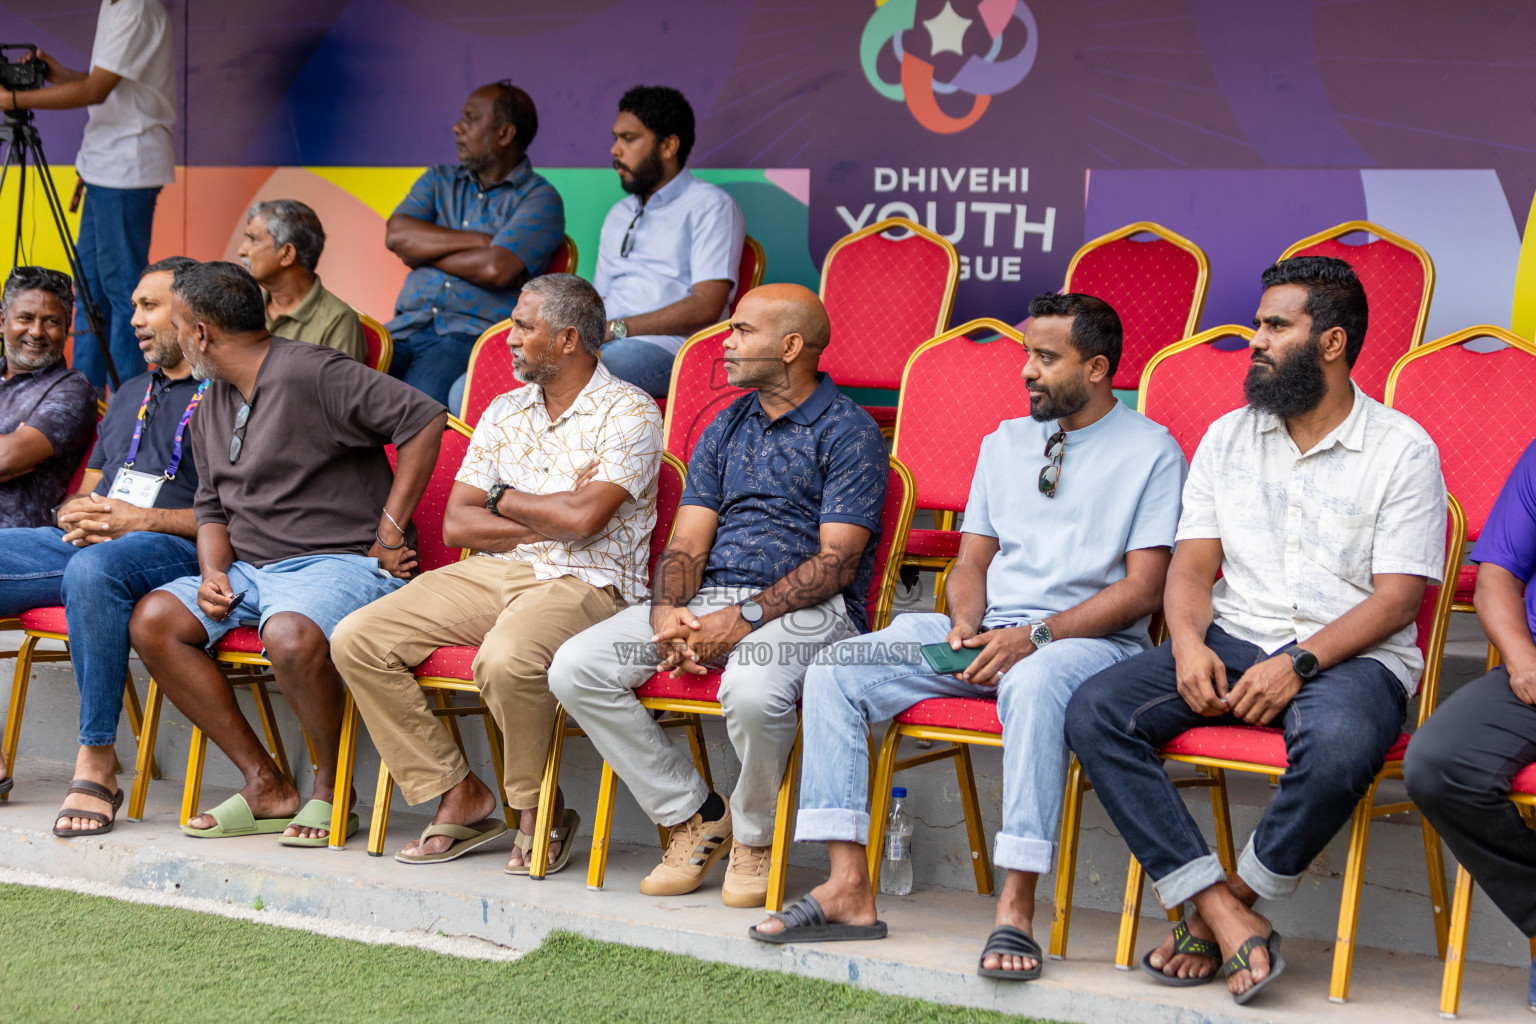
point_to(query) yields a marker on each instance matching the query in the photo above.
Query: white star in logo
(947, 30)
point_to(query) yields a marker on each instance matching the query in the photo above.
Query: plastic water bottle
(896, 872)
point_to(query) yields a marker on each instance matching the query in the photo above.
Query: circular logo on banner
(982, 76)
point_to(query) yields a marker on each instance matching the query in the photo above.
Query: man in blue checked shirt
(472, 234)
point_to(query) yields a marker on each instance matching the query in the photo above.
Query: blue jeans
(431, 362)
(98, 586)
(841, 700)
(115, 225)
(1338, 729)
(645, 365)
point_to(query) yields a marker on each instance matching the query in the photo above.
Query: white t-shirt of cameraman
(127, 141)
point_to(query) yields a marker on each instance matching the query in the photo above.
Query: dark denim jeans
(115, 225)
(1338, 729)
(431, 362)
(98, 586)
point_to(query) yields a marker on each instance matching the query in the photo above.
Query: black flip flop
(6, 784)
(1185, 943)
(1006, 940)
(85, 787)
(804, 921)
(1239, 962)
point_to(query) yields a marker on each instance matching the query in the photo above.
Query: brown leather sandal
(85, 787)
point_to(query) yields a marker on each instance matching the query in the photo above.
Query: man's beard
(542, 374)
(166, 353)
(200, 369)
(643, 178)
(1290, 387)
(1054, 403)
(25, 364)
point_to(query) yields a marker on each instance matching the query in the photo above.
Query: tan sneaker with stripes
(746, 876)
(695, 847)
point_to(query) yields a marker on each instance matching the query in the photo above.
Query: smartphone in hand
(947, 661)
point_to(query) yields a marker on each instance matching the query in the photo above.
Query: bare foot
(527, 822)
(1234, 927)
(465, 804)
(1186, 965)
(95, 764)
(310, 832)
(1016, 907)
(268, 798)
(842, 905)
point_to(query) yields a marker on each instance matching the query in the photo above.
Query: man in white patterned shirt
(557, 498)
(1323, 511)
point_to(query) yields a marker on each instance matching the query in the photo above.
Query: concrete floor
(931, 952)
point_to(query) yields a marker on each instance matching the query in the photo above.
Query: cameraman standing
(125, 157)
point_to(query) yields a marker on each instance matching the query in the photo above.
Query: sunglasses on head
(1050, 474)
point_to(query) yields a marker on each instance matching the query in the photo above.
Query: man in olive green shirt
(282, 246)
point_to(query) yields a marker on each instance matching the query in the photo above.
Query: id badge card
(138, 489)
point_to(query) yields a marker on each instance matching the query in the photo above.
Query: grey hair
(571, 301)
(59, 285)
(290, 222)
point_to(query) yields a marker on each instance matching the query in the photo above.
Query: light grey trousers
(595, 673)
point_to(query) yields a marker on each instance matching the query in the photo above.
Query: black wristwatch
(1304, 662)
(751, 613)
(493, 498)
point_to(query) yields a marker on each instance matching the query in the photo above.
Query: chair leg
(940, 590)
(493, 737)
(1221, 812)
(146, 756)
(1456, 945)
(1130, 915)
(269, 726)
(1066, 859)
(1438, 897)
(1349, 906)
(346, 761)
(383, 794)
(783, 826)
(192, 790)
(17, 704)
(450, 722)
(880, 803)
(981, 863)
(602, 825)
(700, 752)
(136, 720)
(544, 820)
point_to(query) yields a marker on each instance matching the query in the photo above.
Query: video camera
(23, 75)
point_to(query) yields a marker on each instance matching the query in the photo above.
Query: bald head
(777, 335)
(789, 309)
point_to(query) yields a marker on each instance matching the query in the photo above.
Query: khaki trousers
(517, 620)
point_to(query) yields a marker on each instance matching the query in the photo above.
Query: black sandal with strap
(1239, 962)
(85, 787)
(804, 921)
(1185, 943)
(1006, 940)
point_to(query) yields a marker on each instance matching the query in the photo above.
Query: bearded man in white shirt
(1323, 512)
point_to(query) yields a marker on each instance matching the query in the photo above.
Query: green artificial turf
(70, 957)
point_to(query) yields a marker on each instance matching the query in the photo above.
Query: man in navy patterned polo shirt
(472, 233)
(775, 540)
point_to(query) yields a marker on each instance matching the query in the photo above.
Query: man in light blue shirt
(1064, 548)
(669, 252)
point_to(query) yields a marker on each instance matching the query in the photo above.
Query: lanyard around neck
(138, 429)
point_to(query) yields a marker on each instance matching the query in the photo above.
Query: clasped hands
(91, 519)
(688, 642)
(1256, 698)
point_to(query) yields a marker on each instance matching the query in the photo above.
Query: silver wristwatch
(1040, 634)
(618, 329)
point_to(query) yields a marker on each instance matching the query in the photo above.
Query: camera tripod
(22, 146)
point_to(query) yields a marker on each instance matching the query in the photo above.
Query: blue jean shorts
(323, 588)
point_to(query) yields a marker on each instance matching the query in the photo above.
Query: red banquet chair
(954, 392)
(449, 670)
(1399, 279)
(381, 349)
(699, 390)
(1158, 287)
(754, 264)
(1217, 749)
(1522, 792)
(885, 297)
(1480, 409)
(693, 696)
(240, 652)
(1192, 383)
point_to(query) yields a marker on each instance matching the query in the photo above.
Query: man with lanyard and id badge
(127, 531)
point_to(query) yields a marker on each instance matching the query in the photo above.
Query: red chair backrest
(669, 491)
(79, 477)
(431, 551)
(699, 390)
(955, 392)
(1158, 288)
(895, 521)
(1191, 384)
(381, 348)
(1399, 280)
(754, 264)
(565, 259)
(1479, 407)
(885, 297)
(490, 372)
(1430, 643)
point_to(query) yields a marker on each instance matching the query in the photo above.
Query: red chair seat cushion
(1255, 744)
(684, 687)
(975, 714)
(449, 663)
(933, 543)
(45, 620)
(241, 640)
(1525, 781)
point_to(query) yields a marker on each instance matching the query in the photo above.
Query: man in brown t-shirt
(300, 521)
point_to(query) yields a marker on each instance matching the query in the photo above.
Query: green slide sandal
(315, 814)
(234, 818)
